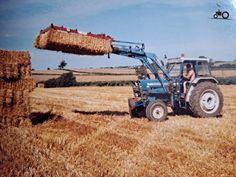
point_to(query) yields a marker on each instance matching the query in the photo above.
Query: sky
(166, 27)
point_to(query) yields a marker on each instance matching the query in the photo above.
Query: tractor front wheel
(156, 111)
(206, 100)
(215, 16)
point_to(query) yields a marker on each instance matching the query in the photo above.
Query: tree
(62, 64)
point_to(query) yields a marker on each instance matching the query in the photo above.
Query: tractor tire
(156, 111)
(225, 15)
(206, 100)
(215, 16)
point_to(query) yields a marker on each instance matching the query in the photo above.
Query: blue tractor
(152, 96)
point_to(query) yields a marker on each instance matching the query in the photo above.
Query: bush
(68, 80)
(227, 80)
(65, 80)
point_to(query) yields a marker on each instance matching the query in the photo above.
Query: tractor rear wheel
(206, 100)
(156, 111)
(225, 15)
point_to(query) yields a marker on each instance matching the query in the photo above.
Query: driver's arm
(189, 75)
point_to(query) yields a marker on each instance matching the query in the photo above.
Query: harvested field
(224, 73)
(92, 78)
(88, 78)
(107, 70)
(89, 133)
(76, 43)
(100, 74)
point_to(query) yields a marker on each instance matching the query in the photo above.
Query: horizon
(167, 28)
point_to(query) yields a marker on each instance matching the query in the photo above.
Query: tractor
(219, 13)
(162, 86)
(153, 94)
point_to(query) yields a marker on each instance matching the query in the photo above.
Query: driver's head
(189, 66)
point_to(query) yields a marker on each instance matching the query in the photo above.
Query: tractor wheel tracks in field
(99, 130)
(128, 162)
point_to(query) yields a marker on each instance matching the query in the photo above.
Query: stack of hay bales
(73, 42)
(15, 85)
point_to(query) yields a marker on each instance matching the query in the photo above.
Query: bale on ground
(10, 116)
(14, 64)
(14, 57)
(13, 105)
(75, 43)
(16, 85)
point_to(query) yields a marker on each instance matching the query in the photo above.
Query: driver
(189, 76)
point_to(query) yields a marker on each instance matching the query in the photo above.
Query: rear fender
(197, 81)
(203, 79)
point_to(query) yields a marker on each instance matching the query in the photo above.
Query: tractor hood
(152, 86)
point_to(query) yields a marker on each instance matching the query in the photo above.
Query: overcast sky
(166, 27)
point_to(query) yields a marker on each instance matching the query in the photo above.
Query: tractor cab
(177, 67)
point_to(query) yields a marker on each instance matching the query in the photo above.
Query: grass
(89, 133)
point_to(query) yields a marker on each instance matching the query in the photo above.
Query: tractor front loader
(152, 95)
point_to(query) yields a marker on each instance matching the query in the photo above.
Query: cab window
(203, 69)
(174, 69)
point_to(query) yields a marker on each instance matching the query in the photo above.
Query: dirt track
(94, 136)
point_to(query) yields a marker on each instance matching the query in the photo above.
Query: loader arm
(136, 51)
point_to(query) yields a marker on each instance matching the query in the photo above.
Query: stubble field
(115, 74)
(89, 133)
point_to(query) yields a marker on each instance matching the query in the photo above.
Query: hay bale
(75, 43)
(40, 85)
(14, 57)
(14, 100)
(18, 85)
(10, 116)
(14, 64)
(15, 85)
(25, 71)
(8, 97)
(14, 105)
(9, 71)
